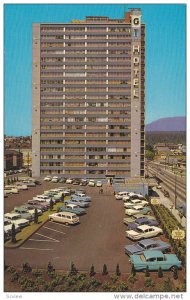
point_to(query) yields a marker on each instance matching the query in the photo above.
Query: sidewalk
(169, 204)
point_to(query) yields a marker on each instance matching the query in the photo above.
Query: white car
(143, 231)
(99, 184)
(69, 181)
(16, 219)
(120, 195)
(21, 186)
(91, 182)
(137, 209)
(8, 226)
(125, 198)
(139, 202)
(47, 178)
(55, 179)
(131, 205)
(64, 217)
(11, 189)
(42, 198)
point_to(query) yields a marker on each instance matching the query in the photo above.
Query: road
(174, 184)
(98, 239)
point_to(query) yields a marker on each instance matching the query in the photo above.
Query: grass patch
(26, 232)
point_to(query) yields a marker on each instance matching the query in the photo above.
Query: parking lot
(98, 239)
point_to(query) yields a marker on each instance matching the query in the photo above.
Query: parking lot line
(25, 248)
(54, 230)
(47, 237)
(44, 241)
(60, 224)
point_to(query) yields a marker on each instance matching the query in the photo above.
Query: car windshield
(15, 217)
(142, 245)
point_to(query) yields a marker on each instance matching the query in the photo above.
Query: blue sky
(165, 56)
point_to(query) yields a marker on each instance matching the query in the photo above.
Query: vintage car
(137, 209)
(73, 208)
(132, 219)
(65, 217)
(81, 197)
(142, 221)
(120, 195)
(155, 259)
(147, 244)
(143, 231)
(80, 203)
(17, 219)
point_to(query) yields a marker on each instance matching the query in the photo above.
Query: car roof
(11, 214)
(144, 227)
(153, 253)
(148, 242)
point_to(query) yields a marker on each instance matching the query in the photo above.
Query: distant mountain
(168, 124)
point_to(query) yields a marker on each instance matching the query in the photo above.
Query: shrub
(92, 271)
(14, 277)
(11, 269)
(37, 273)
(167, 285)
(95, 282)
(13, 234)
(105, 270)
(26, 268)
(117, 271)
(122, 287)
(114, 278)
(106, 286)
(132, 278)
(148, 282)
(81, 277)
(160, 273)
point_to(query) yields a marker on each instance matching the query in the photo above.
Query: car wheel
(51, 220)
(67, 224)
(173, 268)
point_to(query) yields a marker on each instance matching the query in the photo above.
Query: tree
(73, 270)
(133, 271)
(147, 273)
(36, 216)
(175, 274)
(51, 204)
(105, 270)
(92, 271)
(160, 273)
(13, 234)
(149, 155)
(62, 197)
(117, 271)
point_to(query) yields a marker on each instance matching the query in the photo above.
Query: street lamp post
(175, 191)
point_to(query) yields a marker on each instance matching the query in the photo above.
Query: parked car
(62, 180)
(143, 231)
(99, 183)
(80, 211)
(76, 181)
(73, 209)
(154, 260)
(83, 182)
(125, 198)
(55, 179)
(69, 181)
(120, 195)
(81, 197)
(77, 202)
(24, 213)
(35, 204)
(11, 189)
(43, 198)
(8, 227)
(37, 182)
(80, 193)
(29, 183)
(21, 186)
(47, 178)
(147, 244)
(91, 182)
(31, 210)
(139, 202)
(142, 221)
(17, 219)
(64, 217)
(137, 209)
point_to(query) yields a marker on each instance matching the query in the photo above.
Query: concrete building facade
(89, 97)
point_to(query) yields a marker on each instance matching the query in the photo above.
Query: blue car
(147, 244)
(154, 260)
(83, 198)
(77, 211)
(77, 202)
(142, 221)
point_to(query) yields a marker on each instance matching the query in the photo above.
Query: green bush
(37, 273)
(132, 279)
(167, 285)
(122, 287)
(26, 268)
(14, 277)
(11, 269)
(114, 278)
(106, 286)
(148, 282)
(81, 276)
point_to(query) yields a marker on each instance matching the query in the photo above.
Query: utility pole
(175, 191)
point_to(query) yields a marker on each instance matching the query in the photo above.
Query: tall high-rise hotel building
(89, 97)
